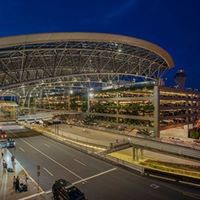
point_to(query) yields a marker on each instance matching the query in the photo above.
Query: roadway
(99, 180)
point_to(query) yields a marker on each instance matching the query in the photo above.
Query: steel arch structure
(29, 59)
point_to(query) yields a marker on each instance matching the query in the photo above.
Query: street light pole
(89, 95)
(38, 176)
(56, 129)
(88, 102)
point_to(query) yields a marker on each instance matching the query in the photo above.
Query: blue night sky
(172, 24)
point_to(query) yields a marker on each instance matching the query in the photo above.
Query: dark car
(64, 190)
(11, 143)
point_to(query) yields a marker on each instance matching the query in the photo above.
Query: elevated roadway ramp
(44, 115)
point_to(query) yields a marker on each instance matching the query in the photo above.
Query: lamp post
(69, 99)
(38, 178)
(89, 95)
(56, 125)
(88, 101)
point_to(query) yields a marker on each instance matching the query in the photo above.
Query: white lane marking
(48, 171)
(94, 176)
(154, 186)
(31, 196)
(193, 184)
(70, 171)
(86, 179)
(47, 145)
(78, 161)
(21, 149)
(160, 177)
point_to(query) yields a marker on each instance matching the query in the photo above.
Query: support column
(187, 114)
(69, 102)
(133, 153)
(156, 103)
(136, 154)
(117, 107)
(29, 101)
(88, 100)
(141, 154)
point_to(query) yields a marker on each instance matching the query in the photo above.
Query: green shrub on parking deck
(194, 134)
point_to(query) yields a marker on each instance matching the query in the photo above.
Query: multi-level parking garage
(97, 74)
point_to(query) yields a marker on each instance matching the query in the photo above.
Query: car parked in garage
(3, 134)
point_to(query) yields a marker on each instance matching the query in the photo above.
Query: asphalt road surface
(97, 179)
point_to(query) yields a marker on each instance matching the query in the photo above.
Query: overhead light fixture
(91, 95)
(119, 50)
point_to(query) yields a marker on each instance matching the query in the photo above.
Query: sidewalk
(7, 192)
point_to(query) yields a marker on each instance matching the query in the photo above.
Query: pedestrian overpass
(140, 144)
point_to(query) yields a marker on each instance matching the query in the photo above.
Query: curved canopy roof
(29, 58)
